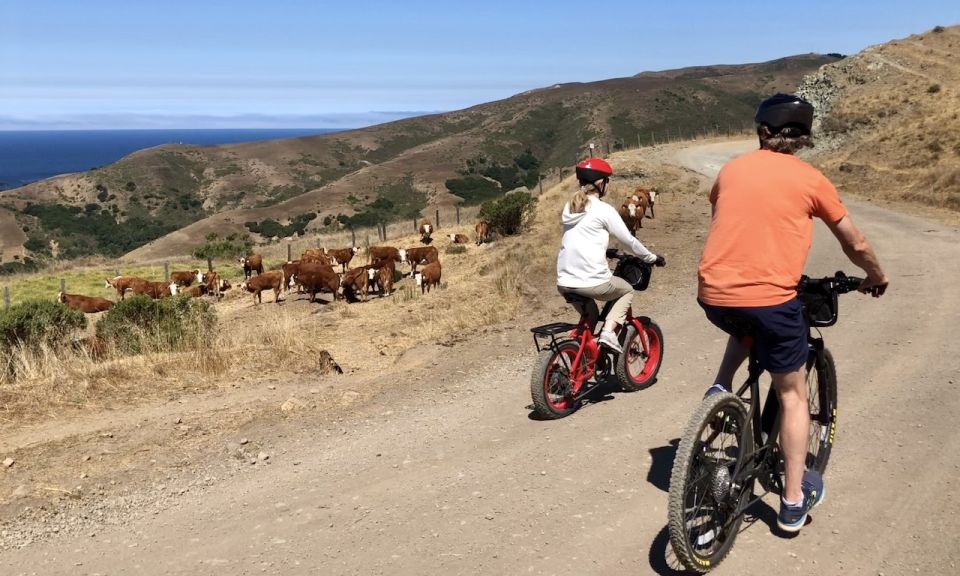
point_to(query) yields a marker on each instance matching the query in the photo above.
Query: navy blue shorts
(779, 332)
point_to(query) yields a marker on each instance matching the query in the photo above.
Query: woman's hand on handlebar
(660, 261)
(874, 286)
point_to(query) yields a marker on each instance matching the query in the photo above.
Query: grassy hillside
(176, 195)
(889, 119)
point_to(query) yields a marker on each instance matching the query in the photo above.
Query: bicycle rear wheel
(822, 398)
(550, 383)
(704, 506)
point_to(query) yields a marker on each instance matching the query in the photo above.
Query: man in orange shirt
(762, 229)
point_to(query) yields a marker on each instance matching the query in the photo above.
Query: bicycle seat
(573, 298)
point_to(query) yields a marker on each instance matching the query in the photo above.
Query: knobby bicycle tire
(696, 467)
(822, 434)
(549, 381)
(632, 380)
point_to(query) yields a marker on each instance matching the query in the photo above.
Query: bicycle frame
(588, 357)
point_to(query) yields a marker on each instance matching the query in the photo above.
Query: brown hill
(172, 197)
(888, 119)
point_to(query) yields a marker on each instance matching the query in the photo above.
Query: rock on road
(452, 477)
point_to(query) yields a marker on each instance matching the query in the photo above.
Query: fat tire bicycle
(571, 363)
(730, 444)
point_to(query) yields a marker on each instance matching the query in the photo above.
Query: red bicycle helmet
(593, 169)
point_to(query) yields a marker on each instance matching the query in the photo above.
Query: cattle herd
(318, 270)
(634, 208)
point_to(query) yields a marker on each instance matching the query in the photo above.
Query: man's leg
(794, 429)
(733, 357)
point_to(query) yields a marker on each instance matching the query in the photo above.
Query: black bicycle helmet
(782, 110)
(593, 169)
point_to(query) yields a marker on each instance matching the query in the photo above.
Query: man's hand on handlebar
(874, 286)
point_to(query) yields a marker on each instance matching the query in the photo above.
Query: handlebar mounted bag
(635, 272)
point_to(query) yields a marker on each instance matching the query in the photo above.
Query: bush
(36, 322)
(455, 249)
(509, 215)
(140, 324)
(473, 189)
(227, 248)
(933, 88)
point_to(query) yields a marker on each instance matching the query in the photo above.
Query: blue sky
(293, 63)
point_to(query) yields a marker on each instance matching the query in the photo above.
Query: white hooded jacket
(582, 262)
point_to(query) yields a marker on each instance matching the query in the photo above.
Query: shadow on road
(661, 557)
(601, 392)
(661, 465)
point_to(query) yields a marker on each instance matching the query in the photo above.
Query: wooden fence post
(209, 264)
(6, 297)
(415, 225)
(458, 214)
(438, 219)
(166, 271)
(353, 237)
(117, 272)
(289, 252)
(540, 182)
(63, 284)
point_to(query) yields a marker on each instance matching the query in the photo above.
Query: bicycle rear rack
(550, 331)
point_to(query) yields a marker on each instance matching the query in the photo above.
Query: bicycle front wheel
(822, 399)
(705, 498)
(636, 367)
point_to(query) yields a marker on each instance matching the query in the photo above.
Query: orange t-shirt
(763, 204)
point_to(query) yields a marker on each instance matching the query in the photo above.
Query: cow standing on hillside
(186, 277)
(342, 256)
(356, 281)
(124, 284)
(482, 229)
(426, 230)
(272, 280)
(653, 199)
(252, 263)
(315, 277)
(421, 255)
(386, 253)
(428, 276)
(85, 304)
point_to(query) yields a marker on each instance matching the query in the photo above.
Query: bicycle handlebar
(839, 283)
(614, 254)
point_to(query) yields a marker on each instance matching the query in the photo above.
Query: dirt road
(449, 474)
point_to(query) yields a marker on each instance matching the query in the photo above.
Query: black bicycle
(730, 444)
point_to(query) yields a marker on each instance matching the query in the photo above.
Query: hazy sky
(289, 63)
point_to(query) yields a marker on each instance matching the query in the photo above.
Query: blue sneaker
(715, 389)
(792, 518)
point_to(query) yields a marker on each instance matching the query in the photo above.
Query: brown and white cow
(385, 253)
(291, 268)
(214, 284)
(380, 276)
(156, 290)
(85, 304)
(420, 255)
(428, 276)
(252, 263)
(426, 230)
(482, 229)
(357, 282)
(193, 291)
(316, 277)
(315, 255)
(272, 280)
(633, 209)
(459, 238)
(342, 256)
(124, 284)
(186, 277)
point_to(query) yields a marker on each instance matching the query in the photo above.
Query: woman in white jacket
(582, 263)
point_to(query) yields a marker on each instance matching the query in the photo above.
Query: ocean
(28, 156)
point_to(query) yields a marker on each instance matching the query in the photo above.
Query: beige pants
(615, 289)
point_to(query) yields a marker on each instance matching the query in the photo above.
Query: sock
(791, 504)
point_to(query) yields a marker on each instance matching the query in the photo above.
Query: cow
(315, 255)
(314, 277)
(459, 238)
(214, 284)
(342, 256)
(428, 276)
(426, 230)
(291, 268)
(272, 280)
(482, 229)
(193, 291)
(156, 290)
(356, 280)
(252, 263)
(122, 284)
(642, 198)
(633, 209)
(420, 255)
(386, 253)
(380, 276)
(85, 304)
(186, 278)
(653, 198)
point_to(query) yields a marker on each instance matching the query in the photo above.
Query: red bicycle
(572, 363)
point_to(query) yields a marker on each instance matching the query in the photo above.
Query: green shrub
(31, 323)
(455, 249)
(509, 215)
(933, 88)
(473, 189)
(140, 324)
(227, 248)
